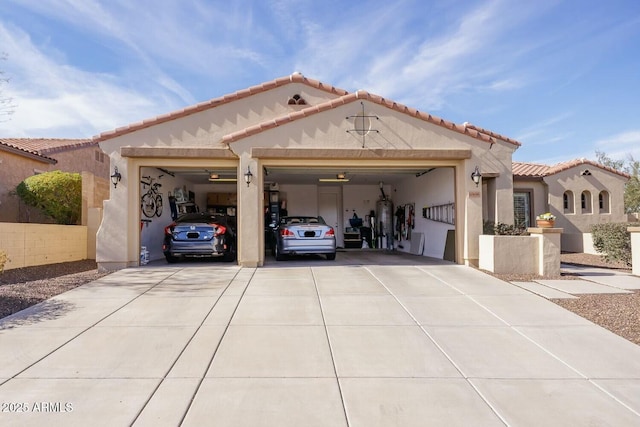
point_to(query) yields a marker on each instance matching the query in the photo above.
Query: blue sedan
(197, 235)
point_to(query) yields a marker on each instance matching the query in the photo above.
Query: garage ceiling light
(214, 177)
(341, 177)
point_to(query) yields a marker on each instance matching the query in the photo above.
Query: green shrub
(57, 194)
(502, 229)
(3, 260)
(613, 241)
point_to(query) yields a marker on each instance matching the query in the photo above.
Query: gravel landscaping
(23, 287)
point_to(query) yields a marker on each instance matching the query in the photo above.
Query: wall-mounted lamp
(475, 176)
(116, 177)
(248, 176)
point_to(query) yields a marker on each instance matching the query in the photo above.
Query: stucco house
(314, 149)
(24, 157)
(579, 192)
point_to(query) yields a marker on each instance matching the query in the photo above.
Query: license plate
(193, 235)
(309, 234)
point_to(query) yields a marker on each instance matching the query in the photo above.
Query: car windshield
(301, 220)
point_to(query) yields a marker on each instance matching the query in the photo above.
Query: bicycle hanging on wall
(151, 202)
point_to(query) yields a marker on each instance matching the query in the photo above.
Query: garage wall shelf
(352, 238)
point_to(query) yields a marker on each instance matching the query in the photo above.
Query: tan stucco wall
(13, 170)
(576, 225)
(40, 244)
(635, 249)
(509, 254)
(82, 159)
(95, 190)
(538, 253)
(325, 131)
(599, 180)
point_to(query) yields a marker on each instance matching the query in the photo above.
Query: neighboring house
(579, 192)
(24, 157)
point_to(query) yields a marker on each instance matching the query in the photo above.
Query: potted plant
(546, 220)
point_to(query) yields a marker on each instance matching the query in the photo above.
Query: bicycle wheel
(158, 209)
(148, 205)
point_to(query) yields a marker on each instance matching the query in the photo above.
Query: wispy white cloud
(56, 99)
(195, 37)
(544, 131)
(621, 145)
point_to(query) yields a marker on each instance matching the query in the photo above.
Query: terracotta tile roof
(493, 134)
(293, 78)
(344, 97)
(18, 147)
(530, 170)
(44, 146)
(464, 129)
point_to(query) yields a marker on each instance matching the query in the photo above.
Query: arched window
(603, 202)
(585, 202)
(568, 202)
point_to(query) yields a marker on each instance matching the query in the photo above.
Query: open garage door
(408, 209)
(168, 192)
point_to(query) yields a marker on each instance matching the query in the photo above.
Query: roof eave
(28, 154)
(529, 178)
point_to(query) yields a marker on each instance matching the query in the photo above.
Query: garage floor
(370, 339)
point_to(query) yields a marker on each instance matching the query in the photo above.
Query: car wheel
(278, 255)
(331, 257)
(171, 259)
(230, 256)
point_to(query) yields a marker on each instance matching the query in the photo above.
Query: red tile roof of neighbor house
(42, 146)
(536, 170)
(9, 144)
(343, 98)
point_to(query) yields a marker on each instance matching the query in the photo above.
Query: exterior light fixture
(248, 176)
(476, 176)
(116, 177)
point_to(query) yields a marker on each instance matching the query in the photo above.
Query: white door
(328, 209)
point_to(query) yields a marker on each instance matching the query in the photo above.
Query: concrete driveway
(368, 340)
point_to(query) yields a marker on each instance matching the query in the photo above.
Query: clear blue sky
(562, 77)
